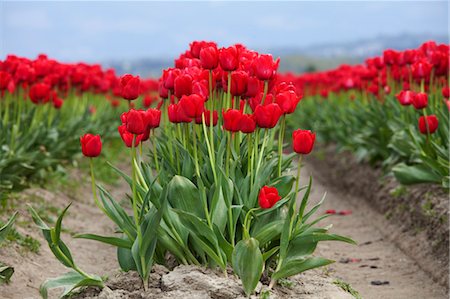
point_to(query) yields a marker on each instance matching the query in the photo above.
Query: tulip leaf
(296, 266)
(118, 242)
(5, 229)
(69, 282)
(248, 263)
(415, 174)
(184, 195)
(5, 273)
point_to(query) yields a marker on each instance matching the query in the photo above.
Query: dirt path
(375, 258)
(91, 256)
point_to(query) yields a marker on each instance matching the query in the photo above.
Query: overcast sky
(98, 31)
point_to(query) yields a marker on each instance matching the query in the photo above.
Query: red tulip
(207, 114)
(136, 122)
(268, 197)
(303, 141)
(128, 137)
(445, 92)
(192, 105)
(5, 78)
(169, 77)
(247, 123)
(153, 118)
(231, 120)
(421, 69)
(91, 145)
(176, 114)
(130, 87)
(267, 116)
(390, 57)
(287, 101)
(265, 67)
(229, 58)
(238, 83)
(405, 97)
(420, 100)
(40, 93)
(209, 57)
(432, 124)
(183, 85)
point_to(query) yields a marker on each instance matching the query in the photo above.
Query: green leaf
(296, 266)
(415, 174)
(69, 282)
(5, 229)
(184, 195)
(118, 242)
(125, 259)
(5, 273)
(248, 263)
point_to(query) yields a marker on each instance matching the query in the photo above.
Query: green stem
(266, 89)
(94, 188)
(261, 154)
(280, 143)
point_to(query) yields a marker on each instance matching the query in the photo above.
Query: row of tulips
(392, 111)
(210, 182)
(45, 105)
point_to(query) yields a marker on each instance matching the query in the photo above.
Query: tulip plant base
(201, 283)
(417, 215)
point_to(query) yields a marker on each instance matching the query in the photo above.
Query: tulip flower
(432, 123)
(238, 83)
(267, 116)
(229, 58)
(130, 87)
(168, 78)
(247, 123)
(192, 105)
(420, 100)
(303, 141)
(268, 197)
(177, 115)
(231, 120)
(209, 57)
(127, 137)
(405, 97)
(445, 92)
(39, 93)
(153, 118)
(183, 85)
(5, 78)
(264, 67)
(287, 101)
(91, 145)
(207, 115)
(136, 121)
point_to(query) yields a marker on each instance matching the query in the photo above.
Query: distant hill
(316, 57)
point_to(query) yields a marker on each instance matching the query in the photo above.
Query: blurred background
(143, 37)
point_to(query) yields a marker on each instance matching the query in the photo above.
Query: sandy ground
(376, 258)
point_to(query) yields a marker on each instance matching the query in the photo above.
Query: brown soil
(83, 216)
(399, 241)
(199, 283)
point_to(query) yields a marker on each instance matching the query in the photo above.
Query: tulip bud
(40, 93)
(267, 116)
(247, 123)
(405, 97)
(183, 85)
(287, 101)
(209, 58)
(153, 118)
(420, 100)
(231, 120)
(192, 105)
(303, 141)
(432, 122)
(268, 197)
(229, 58)
(136, 122)
(91, 145)
(264, 67)
(130, 87)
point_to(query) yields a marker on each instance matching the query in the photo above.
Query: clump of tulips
(393, 111)
(45, 105)
(210, 182)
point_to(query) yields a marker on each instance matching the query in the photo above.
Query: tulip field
(210, 155)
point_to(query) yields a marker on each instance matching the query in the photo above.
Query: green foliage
(382, 133)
